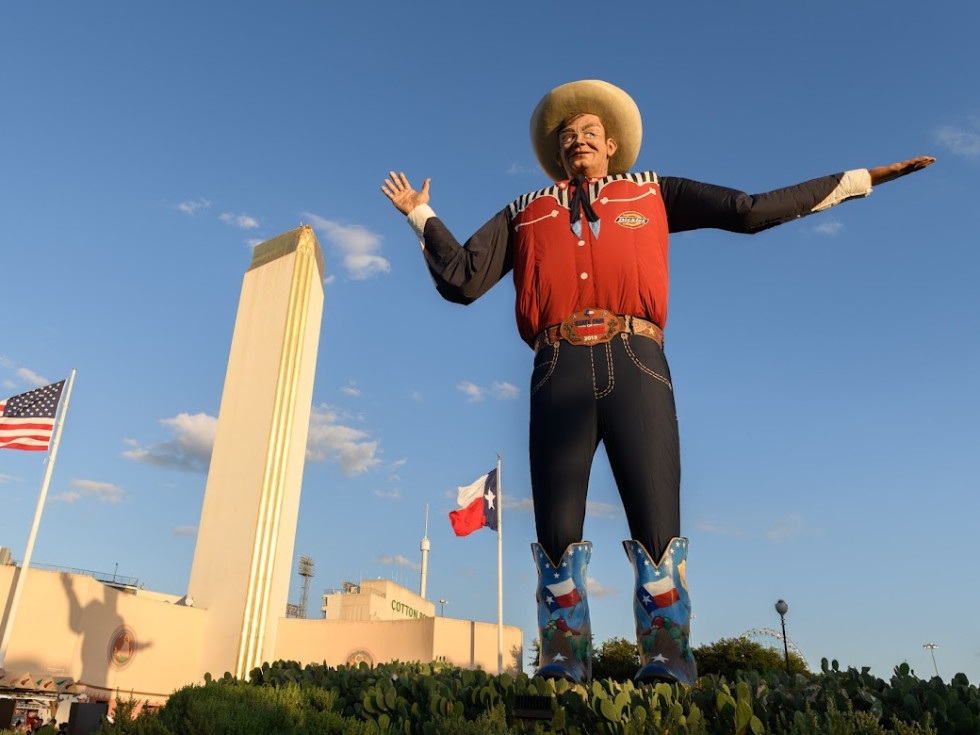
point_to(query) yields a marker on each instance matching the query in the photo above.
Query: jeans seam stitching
(610, 371)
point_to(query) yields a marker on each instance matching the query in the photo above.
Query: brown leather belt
(595, 326)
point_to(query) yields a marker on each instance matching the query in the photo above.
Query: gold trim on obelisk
(256, 613)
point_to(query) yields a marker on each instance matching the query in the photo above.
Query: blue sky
(825, 371)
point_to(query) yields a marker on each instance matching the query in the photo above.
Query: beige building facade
(75, 636)
(375, 599)
(113, 642)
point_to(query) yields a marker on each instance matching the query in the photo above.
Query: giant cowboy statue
(589, 257)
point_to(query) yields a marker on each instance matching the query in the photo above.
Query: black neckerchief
(579, 201)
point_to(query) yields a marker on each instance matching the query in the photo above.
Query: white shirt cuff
(417, 219)
(856, 183)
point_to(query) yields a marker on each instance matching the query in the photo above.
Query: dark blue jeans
(618, 393)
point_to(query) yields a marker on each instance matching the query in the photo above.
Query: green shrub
(437, 699)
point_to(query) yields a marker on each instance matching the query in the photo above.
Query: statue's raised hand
(401, 193)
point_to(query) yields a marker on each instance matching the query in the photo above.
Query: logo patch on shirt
(631, 220)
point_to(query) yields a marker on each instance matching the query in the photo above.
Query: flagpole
(500, 573)
(22, 572)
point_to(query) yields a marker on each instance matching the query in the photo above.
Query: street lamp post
(782, 608)
(442, 607)
(932, 650)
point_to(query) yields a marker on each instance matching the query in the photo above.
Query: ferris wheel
(769, 638)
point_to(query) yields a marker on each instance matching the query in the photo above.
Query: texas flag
(561, 595)
(478, 506)
(658, 595)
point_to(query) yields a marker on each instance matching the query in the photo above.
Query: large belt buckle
(590, 327)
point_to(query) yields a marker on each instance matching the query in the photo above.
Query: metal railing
(117, 580)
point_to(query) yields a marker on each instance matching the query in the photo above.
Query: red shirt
(624, 269)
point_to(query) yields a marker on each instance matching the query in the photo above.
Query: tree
(535, 657)
(617, 659)
(727, 655)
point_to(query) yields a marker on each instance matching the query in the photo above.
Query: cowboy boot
(662, 610)
(563, 614)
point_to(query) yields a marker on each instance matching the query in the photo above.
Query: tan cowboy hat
(618, 111)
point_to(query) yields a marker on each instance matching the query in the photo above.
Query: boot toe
(654, 673)
(557, 671)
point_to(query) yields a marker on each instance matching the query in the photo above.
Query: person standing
(589, 256)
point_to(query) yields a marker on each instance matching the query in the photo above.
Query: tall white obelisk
(242, 563)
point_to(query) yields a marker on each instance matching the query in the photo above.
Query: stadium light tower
(306, 572)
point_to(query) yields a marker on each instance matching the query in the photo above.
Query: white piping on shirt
(552, 215)
(647, 193)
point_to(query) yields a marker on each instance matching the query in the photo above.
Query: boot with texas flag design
(563, 614)
(662, 609)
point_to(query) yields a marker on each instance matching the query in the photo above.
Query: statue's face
(583, 147)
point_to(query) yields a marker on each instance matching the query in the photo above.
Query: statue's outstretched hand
(401, 193)
(881, 174)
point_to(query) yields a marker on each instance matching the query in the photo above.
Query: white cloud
(472, 390)
(499, 389)
(393, 476)
(595, 589)
(29, 376)
(365, 265)
(329, 439)
(358, 246)
(185, 531)
(192, 207)
(5, 478)
(505, 391)
(707, 525)
(960, 140)
(523, 505)
(351, 389)
(23, 376)
(189, 451)
(104, 492)
(829, 227)
(393, 494)
(603, 510)
(398, 561)
(245, 221)
(786, 527)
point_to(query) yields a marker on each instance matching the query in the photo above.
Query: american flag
(27, 420)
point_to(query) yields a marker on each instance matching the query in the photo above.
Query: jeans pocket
(648, 356)
(545, 363)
